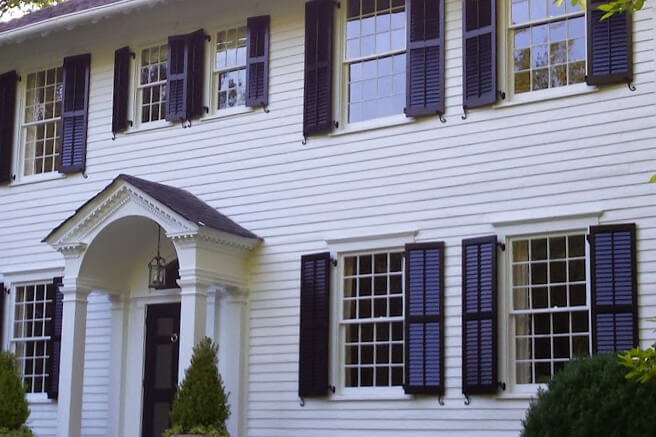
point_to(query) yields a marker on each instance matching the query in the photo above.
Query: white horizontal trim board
(439, 182)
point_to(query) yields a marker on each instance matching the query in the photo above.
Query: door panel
(161, 366)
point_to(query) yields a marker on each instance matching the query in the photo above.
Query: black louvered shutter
(610, 46)
(55, 312)
(3, 295)
(257, 63)
(479, 315)
(186, 63)
(315, 301)
(479, 40)
(120, 120)
(424, 319)
(318, 92)
(425, 63)
(75, 114)
(7, 114)
(614, 288)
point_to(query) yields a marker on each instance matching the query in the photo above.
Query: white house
(395, 217)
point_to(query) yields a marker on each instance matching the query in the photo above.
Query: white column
(71, 367)
(193, 315)
(232, 352)
(117, 370)
(210, 331)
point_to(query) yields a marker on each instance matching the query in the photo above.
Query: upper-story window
(371, 328)
(151, 93)
(548, 44)
(230, 68)
(33, 308)
(550, 306)
(41, 136)
(374, 58)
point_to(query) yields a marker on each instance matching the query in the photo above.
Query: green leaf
(607, 7)
(653, 179)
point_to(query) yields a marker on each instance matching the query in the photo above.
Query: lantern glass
(157, 272)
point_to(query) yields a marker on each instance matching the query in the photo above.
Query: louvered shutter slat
(479, 315)
(120, 120)
(424, 320)
(425, 64)
(176, 92)
(479, 53)
(7, 114)
(75, 114)
(55, 312)
(610, 47)
(614, 288)
(318, 85)
(315, 301)
(196, 66)
(257, 64)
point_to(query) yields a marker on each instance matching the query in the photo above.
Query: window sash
(545, 20)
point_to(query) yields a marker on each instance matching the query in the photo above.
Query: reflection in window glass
(550, 308)
(42, 122)
(152, 83)
(372, 319)
(375, 57)
(230, 68)
(550, 54)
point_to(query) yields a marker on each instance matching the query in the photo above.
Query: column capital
(231, 293)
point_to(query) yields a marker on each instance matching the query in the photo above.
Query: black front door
(161, 366)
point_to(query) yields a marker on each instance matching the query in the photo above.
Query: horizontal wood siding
(594, 150)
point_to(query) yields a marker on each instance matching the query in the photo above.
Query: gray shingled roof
(180, 201)
(58, 10)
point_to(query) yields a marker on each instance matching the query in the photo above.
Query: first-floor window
(41, 123)
(32, 319)
(151, 93)
(550, 305)
(230, 68)
(372, 319)
(548, 44)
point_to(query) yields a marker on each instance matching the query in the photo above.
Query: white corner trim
(371, 238)
(568, 213)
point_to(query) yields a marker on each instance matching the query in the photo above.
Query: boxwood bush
(14, 410)
(592, 397)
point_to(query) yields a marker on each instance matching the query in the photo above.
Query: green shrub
(592, 397)
(14, 410)
(23, 431)
(200, 405)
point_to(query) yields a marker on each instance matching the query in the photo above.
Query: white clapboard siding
(593, 151)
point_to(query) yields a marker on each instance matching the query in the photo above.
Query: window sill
(38, 398)
(545, 95)
(526, 393)
(372, 395)
(363, 126)
(160, 124)
(35, 179)
(228, 113)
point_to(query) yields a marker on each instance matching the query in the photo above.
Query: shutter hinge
(464, 112)
(442, 118)
(502, 385)
(501, 246)
(440, 400)
(6, 291)
(302, 403)
(629, 83)
(502, 95)
(331, 388)
(133, 55)
(467, 400)
(333, 261)
(587, 237)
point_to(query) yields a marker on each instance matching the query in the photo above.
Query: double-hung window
(33, 309)
(550, 307)
(41, 129)
(374, 58)
(547, 44)
(230, 69)
(151, 88)
(371, 325)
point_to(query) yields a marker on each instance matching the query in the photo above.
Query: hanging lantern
(157, 268)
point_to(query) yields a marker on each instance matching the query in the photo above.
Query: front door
(161, 366)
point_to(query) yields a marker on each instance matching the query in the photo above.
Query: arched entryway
(107, 245)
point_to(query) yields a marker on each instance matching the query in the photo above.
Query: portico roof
(180, 201)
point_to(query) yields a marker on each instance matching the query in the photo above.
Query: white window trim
(542, 222)
(19, 148)
(340, 89)
(506, 67)
(346, 244)
(213, 74)
(133, 106)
